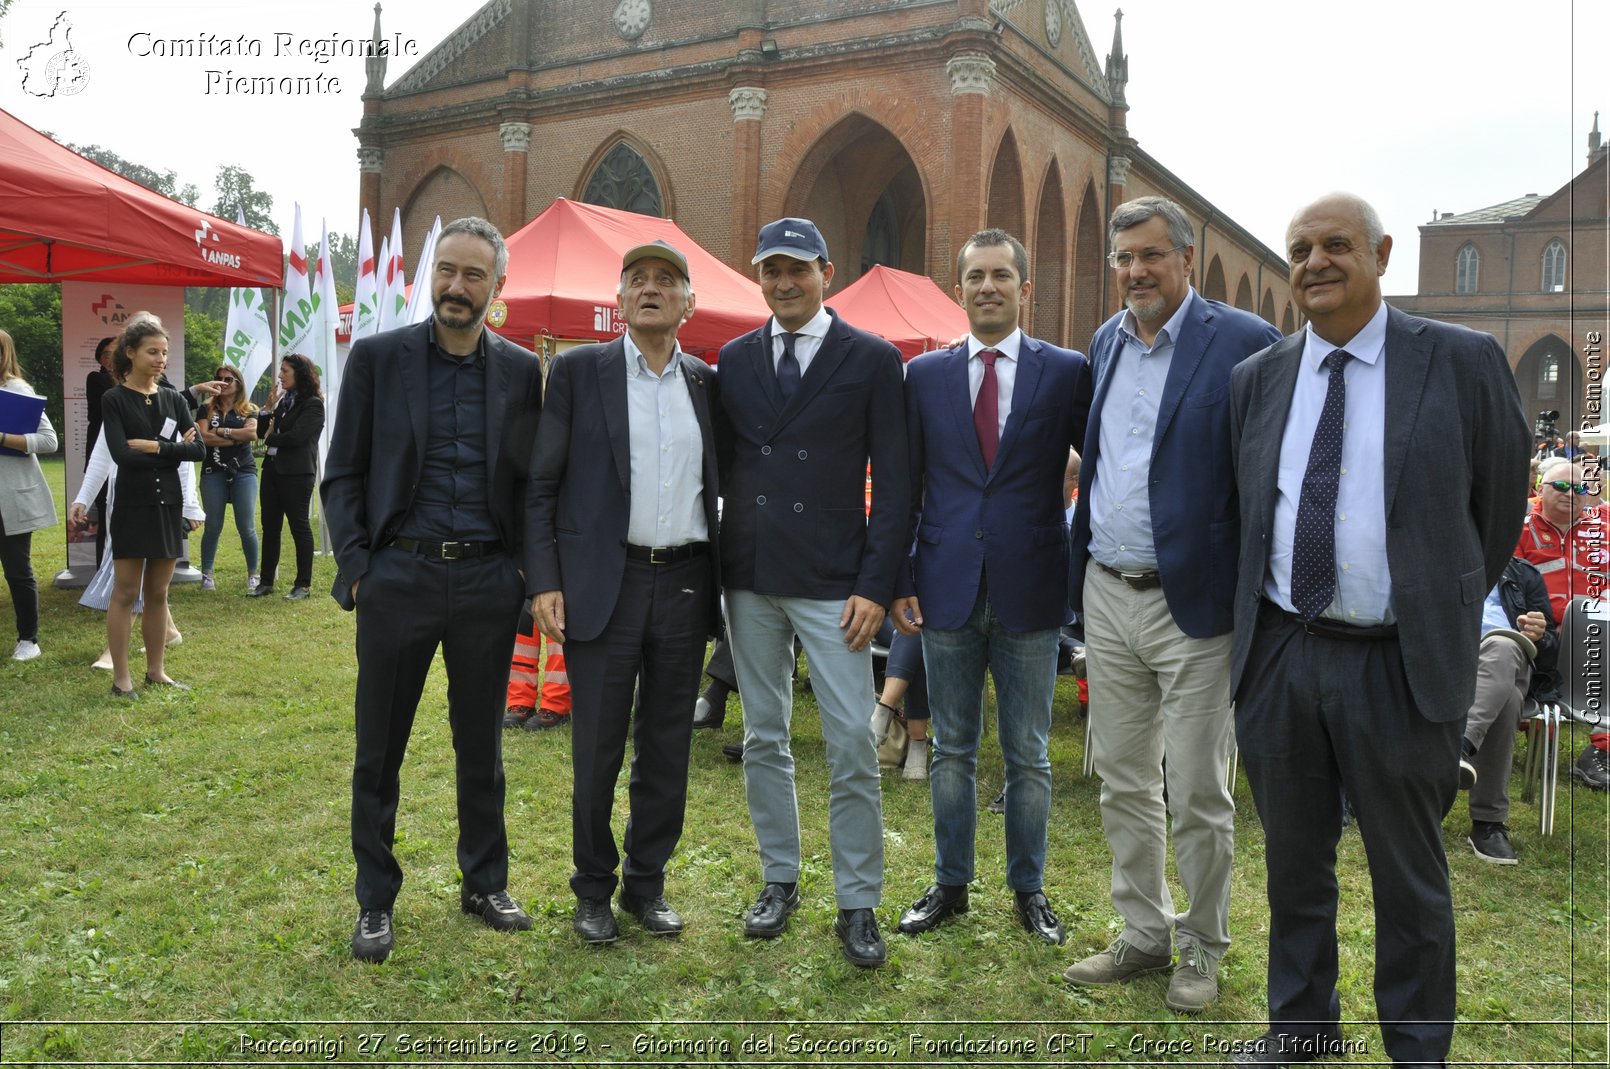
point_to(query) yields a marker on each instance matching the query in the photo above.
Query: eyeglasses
(1150, 257)
(1565, 487)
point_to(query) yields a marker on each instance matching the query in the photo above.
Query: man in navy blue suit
(990, 424)
(1154, 551)
(806, 402)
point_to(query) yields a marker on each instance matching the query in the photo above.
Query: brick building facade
(899, 126)
(1532, 272)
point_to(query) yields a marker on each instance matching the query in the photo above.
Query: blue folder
(19, 414)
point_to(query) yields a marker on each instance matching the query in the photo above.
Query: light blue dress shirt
(1120, 489)
(807, 343)
(1363, 580)
(667, 454)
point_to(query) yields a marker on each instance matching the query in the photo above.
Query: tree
(236, 189)
(164, 182)
(203, 345)
(31, 314)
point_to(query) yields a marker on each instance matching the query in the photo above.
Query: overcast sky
(1259, 104)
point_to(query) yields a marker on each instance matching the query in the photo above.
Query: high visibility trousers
(526, 685)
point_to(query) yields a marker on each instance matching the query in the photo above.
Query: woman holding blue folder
(26, 504)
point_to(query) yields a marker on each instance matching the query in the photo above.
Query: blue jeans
(1024, 667)
(238, 489)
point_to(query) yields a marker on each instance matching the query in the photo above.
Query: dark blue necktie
(788, 369)
(1313, 549)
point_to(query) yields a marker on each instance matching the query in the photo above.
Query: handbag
(892, 747)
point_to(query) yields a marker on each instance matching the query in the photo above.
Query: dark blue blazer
(1007, 522)
(1454, 455)
(579, 501)
(793, 477)
(1195, 523)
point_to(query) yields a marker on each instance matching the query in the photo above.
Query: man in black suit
(806, 401)
(622, 569)
(425, 488)
(1381, 464)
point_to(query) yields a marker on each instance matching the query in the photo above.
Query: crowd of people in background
(1253, 544)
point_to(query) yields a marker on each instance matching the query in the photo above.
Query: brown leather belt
(1135, 580)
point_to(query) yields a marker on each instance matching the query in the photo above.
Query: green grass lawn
(176, 885)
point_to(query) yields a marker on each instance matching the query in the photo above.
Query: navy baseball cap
(798, 238)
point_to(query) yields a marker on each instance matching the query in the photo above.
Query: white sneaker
(916, 766)
(251, 582)
(104, 662)
(206, 581)
(26, 651)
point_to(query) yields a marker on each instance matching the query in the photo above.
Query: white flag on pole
(248, 339)
(366, 296)
(326, 355)
(419, 301)
(300, 304)
(393, 293)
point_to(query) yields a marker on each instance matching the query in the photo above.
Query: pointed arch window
(1548, 377)
(882, 242)
(1467, 270)
(1554, 267)
(624, 180)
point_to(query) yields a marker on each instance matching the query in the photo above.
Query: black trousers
(1315, 716)
(407, 607)
(286, 497)
(654, 641)
(16, 560)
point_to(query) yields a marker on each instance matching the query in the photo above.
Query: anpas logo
(607, 320)
(205, 234)
(109, 311)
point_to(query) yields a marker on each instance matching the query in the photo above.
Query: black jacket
(1521, 590)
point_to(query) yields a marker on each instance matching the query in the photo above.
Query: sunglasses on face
(1565, 487)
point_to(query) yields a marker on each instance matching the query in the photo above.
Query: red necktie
(986, 410)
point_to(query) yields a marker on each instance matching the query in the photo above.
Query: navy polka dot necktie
(1313, 550)
(788, 368)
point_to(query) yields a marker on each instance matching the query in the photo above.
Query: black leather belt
(448, 550)
(1135, 580)
(1334, 628)
(667, 554)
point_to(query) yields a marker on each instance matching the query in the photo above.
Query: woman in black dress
(150, 432)
(290, 425)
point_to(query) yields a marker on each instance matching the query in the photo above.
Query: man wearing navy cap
(622, 565)
(806, 401)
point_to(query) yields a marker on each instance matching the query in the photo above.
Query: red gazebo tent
(65, 218)
(909, 310)
(565, 264)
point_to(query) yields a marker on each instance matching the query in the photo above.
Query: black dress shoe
(938, 902)
(595, 921)
(119, 692)
(857, 929)
(655, 914)
(1281, 1048)
(707, 717)
(496, 908)
(373, 937)
(298, 593)
(262, 590)
(1037, 917)
(768, 917)
(174, 683)
(734, 751)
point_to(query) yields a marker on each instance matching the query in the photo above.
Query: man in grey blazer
(1381, 464)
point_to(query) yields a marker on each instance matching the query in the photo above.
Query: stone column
(748, 105)
(516, 138)
(971, 75)
(371, 161)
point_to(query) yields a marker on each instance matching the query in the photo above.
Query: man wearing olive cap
(623, 567)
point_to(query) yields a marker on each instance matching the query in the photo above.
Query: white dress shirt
(667, 454)
(1005, 374)
(807, 343)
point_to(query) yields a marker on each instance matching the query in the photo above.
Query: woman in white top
(26, 505)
